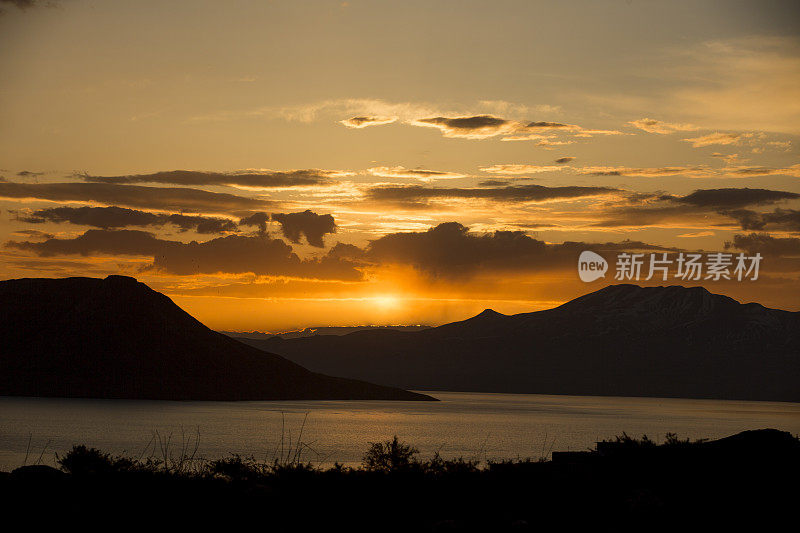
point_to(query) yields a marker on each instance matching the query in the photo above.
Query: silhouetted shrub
(633, 442)
(81, 460)
(295, 471)
(439, 466)
(672, 439)
(389, 456)
(237, 468)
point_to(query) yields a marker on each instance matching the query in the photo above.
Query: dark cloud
(422, 173)
(495, 182)
(53, 266)
(307, 223)
(346, 251)
(745, 171)
(259, 255)
(161, 198)
(563, 160)
(621, 246)
(752, 171)
(290, 178)
(363, 122)
(96, 241)
(256, 219)
(22, 4)
(765, 244)
(201, 224)
(650, 215)
(485, 126)
(747, 219)
(233, 254)
(471, 127)
(647, 172)
(733, 198)
(449, 250)
(29, 174)
(511, 193)
(534, 225)
(360, 121)
(418, 173)
(548, 125)
(701, 204)
(25, 4)
(467, 123)
(779, 219)
(99, 217)
(33, 233)
(120, 217)
(295, 225)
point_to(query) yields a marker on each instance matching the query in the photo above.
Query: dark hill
(622, 340)
(117, 338)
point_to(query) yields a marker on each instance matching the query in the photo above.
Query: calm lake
(473, 425)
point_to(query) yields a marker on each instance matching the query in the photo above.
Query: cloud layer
(120, 217)
(513, 193)
(160, 198)
(234, 254)
(256, 179)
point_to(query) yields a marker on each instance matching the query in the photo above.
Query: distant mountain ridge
(316, 330)
(622, 340)
(117, 338)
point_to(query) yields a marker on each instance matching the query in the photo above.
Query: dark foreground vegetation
(623, 481)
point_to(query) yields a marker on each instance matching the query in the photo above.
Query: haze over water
(473, 425)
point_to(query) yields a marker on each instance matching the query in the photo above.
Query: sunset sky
(279, 164)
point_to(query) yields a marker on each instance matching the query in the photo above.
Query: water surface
(477, 426)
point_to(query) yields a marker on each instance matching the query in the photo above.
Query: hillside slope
(117, 338)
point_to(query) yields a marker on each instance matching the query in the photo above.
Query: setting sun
(386, 301)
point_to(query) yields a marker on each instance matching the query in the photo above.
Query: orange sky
(183, 142)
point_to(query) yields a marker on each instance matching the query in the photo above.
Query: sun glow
(386, 301)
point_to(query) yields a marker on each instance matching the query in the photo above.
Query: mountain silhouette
(623, 340)
(117, 338)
